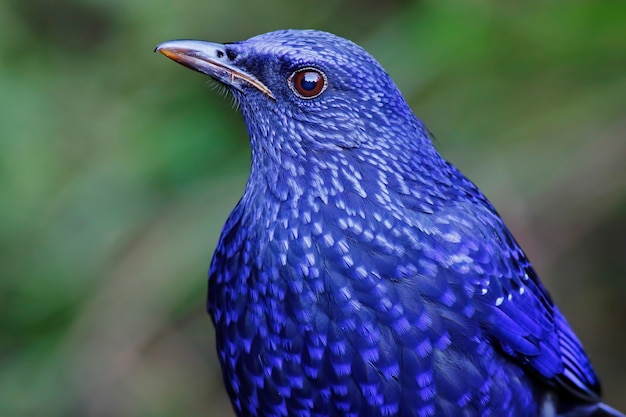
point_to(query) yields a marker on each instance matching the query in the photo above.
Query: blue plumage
(361, 274)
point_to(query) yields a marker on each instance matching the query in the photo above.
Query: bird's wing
(516, 310)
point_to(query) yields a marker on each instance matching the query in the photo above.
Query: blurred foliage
(118, 167)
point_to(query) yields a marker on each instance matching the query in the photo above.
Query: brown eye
(308, 82)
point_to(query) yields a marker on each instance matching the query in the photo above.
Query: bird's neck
(305, 182)
(316, 178)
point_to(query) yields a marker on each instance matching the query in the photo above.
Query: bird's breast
(343, 312)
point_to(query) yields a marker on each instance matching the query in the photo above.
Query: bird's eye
(308, 82)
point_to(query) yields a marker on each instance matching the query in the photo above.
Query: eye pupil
(308, 83)
(310, 80)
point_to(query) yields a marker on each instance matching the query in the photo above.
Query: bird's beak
(211, 59)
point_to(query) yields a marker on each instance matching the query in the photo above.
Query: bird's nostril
(219, 54)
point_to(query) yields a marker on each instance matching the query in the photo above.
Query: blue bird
(361, 274)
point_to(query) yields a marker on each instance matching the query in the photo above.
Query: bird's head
(307, 96)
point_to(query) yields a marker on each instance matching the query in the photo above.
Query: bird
(361, 273)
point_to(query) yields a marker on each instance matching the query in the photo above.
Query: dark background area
(118, 168)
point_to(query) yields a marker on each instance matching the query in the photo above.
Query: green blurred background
(118, 167)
